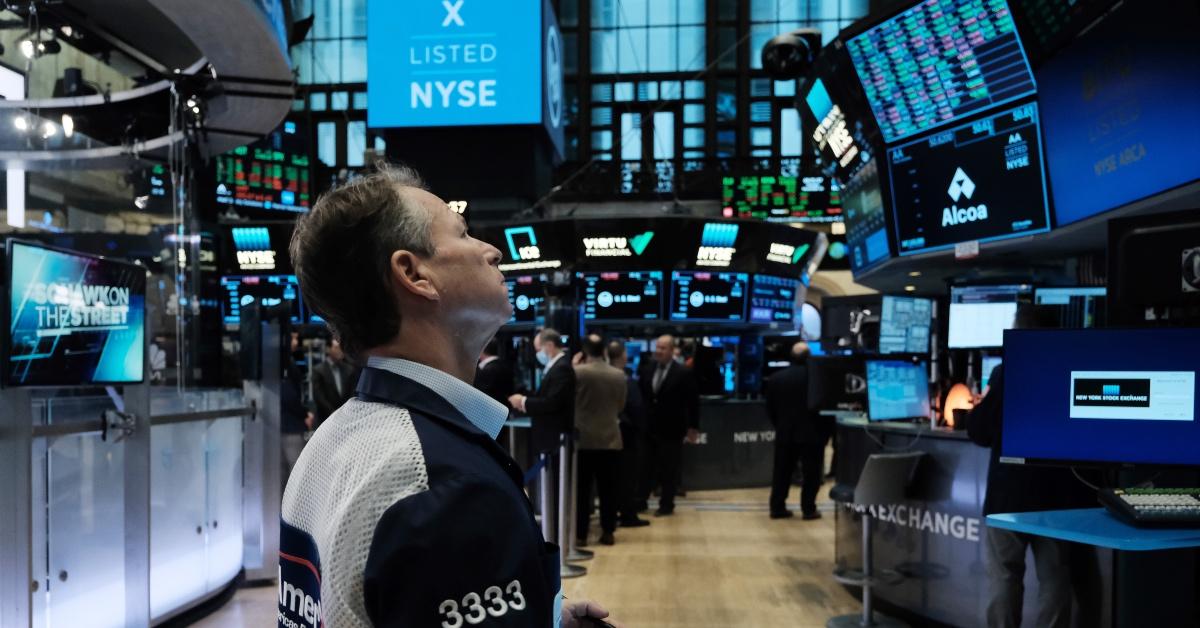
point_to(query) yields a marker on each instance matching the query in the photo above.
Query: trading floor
(719, 562)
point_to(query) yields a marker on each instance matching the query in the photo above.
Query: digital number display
(622, 296)
(773, 299)
(272, 174)
(782, 199)
(708, 297)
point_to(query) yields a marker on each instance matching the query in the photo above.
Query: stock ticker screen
(866, 222)
(527, 297)
(782, 199)
(622, 296)
(773, 299)
(709, 297)
(980, 181)
(940, 61)
(265, 290)
(271, 174)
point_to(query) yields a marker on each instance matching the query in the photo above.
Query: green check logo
(639, 242)
(800, 251)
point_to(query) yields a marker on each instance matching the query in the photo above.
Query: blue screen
(1119, 396)
(866, 221)
(897, 390)
(74, 319)
(938, 62)
(454, 63)
(1119, 109)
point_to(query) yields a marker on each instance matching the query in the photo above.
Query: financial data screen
(709, 297)
(866, 222)
(773, 299)
(904, 325)
(939, 61)
(782, 199)
(264, 290)
(980, 314)
(622, 296)
(897, 390)
(271, 174)
(526, 295)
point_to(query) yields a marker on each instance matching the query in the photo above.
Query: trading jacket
(403, 511)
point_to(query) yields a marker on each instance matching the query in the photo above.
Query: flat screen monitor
(904, 325)
(1078, 307)
(266, 291)
(270, 175)
(775, 198)
(979, 181)
(773, 299)
(709, 297)
(527, 297)
(1119, 108)
(73, 319)
(990, 362)
(938, 62)
(897, 390)
(1101, 396)
(980, 314)
(866, 219)
(622, 296)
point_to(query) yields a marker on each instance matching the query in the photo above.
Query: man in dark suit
(799, 436)
(633, 438)
(552, 409)
(673, 399)
(334, 382)
(495, 377)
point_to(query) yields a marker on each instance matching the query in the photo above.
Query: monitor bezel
(7, 294)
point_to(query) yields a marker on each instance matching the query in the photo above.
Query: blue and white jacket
(403, 511)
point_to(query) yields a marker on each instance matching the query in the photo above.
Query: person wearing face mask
(552, 409)
(403, 510)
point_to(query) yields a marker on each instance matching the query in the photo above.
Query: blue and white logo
(1111, 390)
(717, 244)
(522, 243)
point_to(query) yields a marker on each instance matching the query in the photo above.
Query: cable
(907, 447)
(1075, 472)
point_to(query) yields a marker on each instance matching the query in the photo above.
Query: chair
(884, 480)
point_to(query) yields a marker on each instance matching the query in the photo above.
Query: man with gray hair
(403, 510)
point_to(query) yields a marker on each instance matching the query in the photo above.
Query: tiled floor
(719, 562)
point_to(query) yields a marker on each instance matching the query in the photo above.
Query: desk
(1155, 572)
(1096, 526)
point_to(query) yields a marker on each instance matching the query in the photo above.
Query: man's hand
(573, 611)
(693, 436)
(517, 402)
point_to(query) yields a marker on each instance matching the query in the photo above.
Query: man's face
(335, 351)
(464, 270)
(664, 350)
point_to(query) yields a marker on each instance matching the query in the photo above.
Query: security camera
(789, 56)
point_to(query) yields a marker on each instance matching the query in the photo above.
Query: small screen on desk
(897, 390)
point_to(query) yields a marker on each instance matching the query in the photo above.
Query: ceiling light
(21, 123)
(141, 202)
(68, 125)
(67, 30)
(48, 130)
(51, 47)
(910, 288)
(838, 228)
(915, 273)
(27, 48)
(191, 102)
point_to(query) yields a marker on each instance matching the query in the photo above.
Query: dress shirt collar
(482, 411)
(553, 360)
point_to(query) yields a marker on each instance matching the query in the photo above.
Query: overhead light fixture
(915, 273)
(68, 125)
(21, 123)
(51, 47)
(910, 288)
(67, 30)
(141, 202)
(27, 48)
(48, 130)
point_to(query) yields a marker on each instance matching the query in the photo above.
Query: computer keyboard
(1171, 507)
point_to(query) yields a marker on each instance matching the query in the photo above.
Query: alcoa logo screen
(786, 253)
(253, 248)
(716, 244)
(962, 187)
(617, 247)
(523, 249)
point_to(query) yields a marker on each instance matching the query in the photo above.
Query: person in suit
(599, 399)
(552, 409)
(334, 382)
(799, 436)
(633, 439)
(673, 400)
(495, 377)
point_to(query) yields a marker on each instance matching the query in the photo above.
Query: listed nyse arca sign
(454, 62)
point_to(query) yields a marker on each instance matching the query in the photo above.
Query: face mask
(542, 358)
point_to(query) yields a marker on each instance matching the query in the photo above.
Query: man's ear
(411, 275)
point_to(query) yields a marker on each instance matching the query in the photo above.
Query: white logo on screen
(554, 73)
(452, 13)
(962, 186)
(697, 299)
(604, 299)
(522, 302)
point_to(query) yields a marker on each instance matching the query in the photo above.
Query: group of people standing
(630, 428)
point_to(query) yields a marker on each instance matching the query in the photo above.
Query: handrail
(97, 425)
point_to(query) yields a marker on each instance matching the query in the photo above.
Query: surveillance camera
(789, 56)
